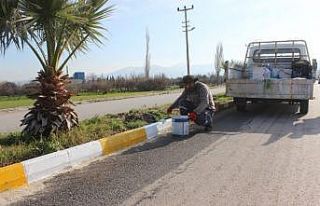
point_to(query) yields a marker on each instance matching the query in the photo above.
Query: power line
(186, 28)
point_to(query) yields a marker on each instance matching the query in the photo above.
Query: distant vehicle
(276, 71)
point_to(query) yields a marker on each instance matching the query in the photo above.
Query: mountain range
(171, 71)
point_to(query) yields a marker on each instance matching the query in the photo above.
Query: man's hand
(192, 116)
(169, 110)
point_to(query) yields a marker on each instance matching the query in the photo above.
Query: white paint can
(180, 126)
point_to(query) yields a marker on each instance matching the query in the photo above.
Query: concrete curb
(32, 170)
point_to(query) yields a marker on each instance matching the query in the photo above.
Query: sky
(235, 23)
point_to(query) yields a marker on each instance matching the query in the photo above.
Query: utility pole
(186, 29)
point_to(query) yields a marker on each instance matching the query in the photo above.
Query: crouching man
(196, 101)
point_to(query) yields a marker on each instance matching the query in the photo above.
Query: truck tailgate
(294, 89)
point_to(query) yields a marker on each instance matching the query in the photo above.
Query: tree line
(109, 84)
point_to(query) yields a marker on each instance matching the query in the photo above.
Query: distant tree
(55, 31)
(8, 89)
(92, 77)
(30, 88)
(219, 59)
(148, 56)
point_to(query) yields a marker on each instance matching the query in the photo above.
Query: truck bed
(286, 89)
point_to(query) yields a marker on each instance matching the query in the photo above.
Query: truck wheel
(241, 104)
(304, 106)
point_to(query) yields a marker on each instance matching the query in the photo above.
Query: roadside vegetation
(14, 102)
(108, 84)
(17, 147)
(222, 98)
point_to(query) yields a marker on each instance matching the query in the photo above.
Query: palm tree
(55, 31)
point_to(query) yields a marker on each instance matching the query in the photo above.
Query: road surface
(269, 155)
(10, 121)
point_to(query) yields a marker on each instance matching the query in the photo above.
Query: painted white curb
(152, 130)
(164, 126)
(46, 166)
(84, 152)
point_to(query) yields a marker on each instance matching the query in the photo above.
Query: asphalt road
(268, 155)
(10, 120)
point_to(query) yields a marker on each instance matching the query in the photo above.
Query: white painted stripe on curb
(165, 126)
(152, 130)
(84, 152)
(46, 166)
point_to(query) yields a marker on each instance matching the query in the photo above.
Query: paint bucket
(180, 126)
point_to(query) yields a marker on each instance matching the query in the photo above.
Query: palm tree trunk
(52, 110)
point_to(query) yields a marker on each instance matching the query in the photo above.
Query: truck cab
(273, 71)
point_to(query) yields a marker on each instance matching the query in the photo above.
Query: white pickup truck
(274, 71)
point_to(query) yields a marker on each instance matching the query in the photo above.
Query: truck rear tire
(241, 104)
(304, 106)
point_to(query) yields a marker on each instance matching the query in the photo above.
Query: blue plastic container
(180, 126)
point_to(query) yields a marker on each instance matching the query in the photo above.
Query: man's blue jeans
(203, 119)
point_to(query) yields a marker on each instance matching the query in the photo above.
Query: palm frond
(10, 25)
(86, 27)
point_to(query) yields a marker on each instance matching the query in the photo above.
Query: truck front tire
(304, 106)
